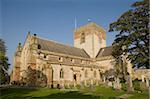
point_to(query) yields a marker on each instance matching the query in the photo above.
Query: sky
(55, 19)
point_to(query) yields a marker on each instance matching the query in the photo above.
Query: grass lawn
(86, 93)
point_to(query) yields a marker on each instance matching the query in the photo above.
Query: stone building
(44, 62)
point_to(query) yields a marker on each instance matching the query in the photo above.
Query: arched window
(75, 77)
(72, 60)
(60, 59)
(44, 56)
(39, 46)
(61, 73)
(82, 38)
(86, 74)
(94, 73)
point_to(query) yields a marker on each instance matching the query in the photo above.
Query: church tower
(91, 38)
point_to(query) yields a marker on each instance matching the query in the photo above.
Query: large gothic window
(82, 38)
(61, 73)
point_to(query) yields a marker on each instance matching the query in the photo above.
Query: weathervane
(89, 20)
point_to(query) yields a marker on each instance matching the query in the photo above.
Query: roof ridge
(107, 46)
(103, 50)
(54, 46)
(57, 42)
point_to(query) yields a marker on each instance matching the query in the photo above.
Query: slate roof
(61, 48)
(106, 51)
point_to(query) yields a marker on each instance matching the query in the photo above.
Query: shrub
(71, 86)
(124, 86)
(66, 86)
(112, 97)
(122, 80)
(136, 85)
(78, 86)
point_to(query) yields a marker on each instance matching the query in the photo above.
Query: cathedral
(42, 62)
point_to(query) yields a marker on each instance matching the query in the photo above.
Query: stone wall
(70, 69)
(105, 63)
(141, 74)
(95, 38)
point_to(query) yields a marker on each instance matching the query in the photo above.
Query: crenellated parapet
(91, 27)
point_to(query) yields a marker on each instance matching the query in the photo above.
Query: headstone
(85, 83)
(147, 82)
(110, 84)
(142, 78)
(104, 79)
(143, 86)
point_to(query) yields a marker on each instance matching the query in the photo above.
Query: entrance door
(76, 78)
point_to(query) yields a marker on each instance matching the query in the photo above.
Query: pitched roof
(106, 51)
(61, 48)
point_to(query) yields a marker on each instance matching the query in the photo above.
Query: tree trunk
(130, 84)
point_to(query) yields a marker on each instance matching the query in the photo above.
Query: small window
(61, 73)
(60, 59)
(72, 60)
(44, 56)
(82, 38)
(39, 53)
(39, 46)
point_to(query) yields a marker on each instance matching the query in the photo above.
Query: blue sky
(54, 19)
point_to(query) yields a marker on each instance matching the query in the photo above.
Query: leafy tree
(33, 77)
(133, 38)
(4, 65)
